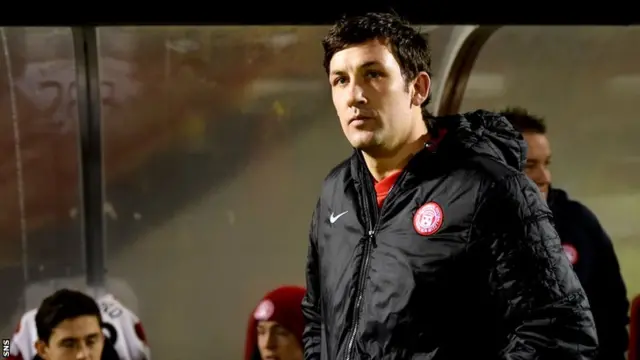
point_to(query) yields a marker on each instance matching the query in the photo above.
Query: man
(585, 242)
(429, 242)
(276, 325)
(71, 325)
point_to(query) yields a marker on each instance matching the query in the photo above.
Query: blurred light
(484, 85)
(266, 87)
(182, 45)
(426, 28)
(283, 40)
(624, 85)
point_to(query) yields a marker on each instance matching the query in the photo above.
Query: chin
(368, 148)
(362, 141)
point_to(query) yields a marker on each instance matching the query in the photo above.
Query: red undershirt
(383, 186)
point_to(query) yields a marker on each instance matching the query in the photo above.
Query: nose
(540, 175)
(356, 94)
(271, 341)
(546, 176)
(83, 353)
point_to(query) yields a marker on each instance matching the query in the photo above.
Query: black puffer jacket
(489, 280)
(595, 262)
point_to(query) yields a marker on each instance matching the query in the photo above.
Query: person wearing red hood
(276, 325)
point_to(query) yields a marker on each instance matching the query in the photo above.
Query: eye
(339, 80)
(373, 74)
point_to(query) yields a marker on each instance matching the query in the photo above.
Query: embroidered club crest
(428, 219)
(571, 252)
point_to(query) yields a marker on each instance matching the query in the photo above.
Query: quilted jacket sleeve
(545, 310)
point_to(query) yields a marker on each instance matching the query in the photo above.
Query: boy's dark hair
(63, 305)
(409, 47)
(523, 121)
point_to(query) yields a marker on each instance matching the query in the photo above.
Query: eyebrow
(530, 160)
(365, 65)
(68, 339)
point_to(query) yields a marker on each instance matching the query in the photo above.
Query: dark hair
(523, 121)
(63, 305)
(408, 46)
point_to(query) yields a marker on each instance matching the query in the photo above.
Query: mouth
(360, 119)
(544, 189)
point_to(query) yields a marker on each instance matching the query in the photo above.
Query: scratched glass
(39, 168)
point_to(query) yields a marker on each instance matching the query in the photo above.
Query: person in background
(71, 325)
(585, 242)
(275, 326)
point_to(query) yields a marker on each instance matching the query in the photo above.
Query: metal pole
(88, 81)
(464, 46)
(18, 152)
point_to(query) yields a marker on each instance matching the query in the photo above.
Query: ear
(421, 88)
(41, 348)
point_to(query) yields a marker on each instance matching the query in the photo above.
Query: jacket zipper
(360, 292)
(364, 267)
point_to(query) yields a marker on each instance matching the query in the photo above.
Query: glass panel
(217, 140)
(586, 82)
(39, 193)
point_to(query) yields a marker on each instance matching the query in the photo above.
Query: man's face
(79, 338)
(538, 160)
(376, 107)
(277, 343)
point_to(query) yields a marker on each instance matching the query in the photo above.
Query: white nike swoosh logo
(333, 218)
